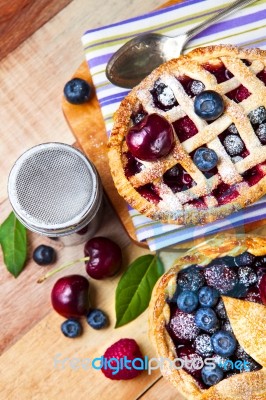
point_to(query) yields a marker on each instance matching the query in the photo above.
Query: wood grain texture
(34, 74)
(21, 18)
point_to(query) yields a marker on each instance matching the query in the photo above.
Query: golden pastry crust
(247, 319)
(177, 208)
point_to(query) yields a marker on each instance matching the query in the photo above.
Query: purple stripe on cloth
(226, 25)
(219, 27)
(114, 96)
(150, 14)
(112, 101)
(93, 62)
(172, 24)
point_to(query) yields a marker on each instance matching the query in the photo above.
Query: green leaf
(13, 239)
(134, 289)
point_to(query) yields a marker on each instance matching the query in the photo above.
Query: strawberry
(124, 350)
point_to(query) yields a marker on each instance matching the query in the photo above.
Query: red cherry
(151, 139)
(262, 288)
(105, 257)
(70, 296)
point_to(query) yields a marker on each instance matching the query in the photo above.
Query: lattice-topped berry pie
(210, 311)
(188, 143)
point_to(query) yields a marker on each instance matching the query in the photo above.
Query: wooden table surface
(32, 79)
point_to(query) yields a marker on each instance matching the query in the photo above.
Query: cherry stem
(54, 271)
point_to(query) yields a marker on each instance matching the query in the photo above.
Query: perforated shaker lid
(54, 189)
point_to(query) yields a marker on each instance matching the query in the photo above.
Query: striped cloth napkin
(245, 28)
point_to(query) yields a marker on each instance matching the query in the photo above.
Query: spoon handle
(228, 10)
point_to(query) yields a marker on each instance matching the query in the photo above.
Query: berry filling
(138, 116)
(224, 193)
(178, 179)
(239, 94)
(253, 175)
(219, 71)
(185, 128)
(133, 166)
(233, 144)
(149, 193)
(262, 76)
(192, 87)
(199, 326)
(163, 96)
(198, 203)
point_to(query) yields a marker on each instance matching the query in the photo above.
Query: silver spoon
(139, 56)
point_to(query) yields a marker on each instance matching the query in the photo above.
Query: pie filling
(199, 326)
(177, 178)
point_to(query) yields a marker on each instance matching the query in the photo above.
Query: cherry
(105, 257)
(70, 296)
(262, 288)
(149, 193)
(151, 139)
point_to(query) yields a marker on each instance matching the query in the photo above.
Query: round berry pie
(188, 143)
(207, 319)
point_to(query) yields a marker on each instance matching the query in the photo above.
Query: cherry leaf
(13, 240)
(134, 289)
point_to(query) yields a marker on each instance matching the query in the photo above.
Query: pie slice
(188, 143)
(210, 307)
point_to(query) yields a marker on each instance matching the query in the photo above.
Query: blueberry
(205, 158)
(220, 310)
(257, 116)
(233, 144)
(97, 319)
(187, 301)
(239, 291)
(137, 118)
(209, 105)
(71, 328)
(191, 278)
(244, 259)
(233, 129)
(163, 96)
(224, 363)
(208, 296)
(77, 91)
(206, 319)
(261, 133)
(236, 159)
(203, 345)
(247, 275)
(44, 255)
(211, 376)
(197, 87)
(223, 343)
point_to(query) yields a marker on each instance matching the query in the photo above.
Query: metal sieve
(54, 189)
